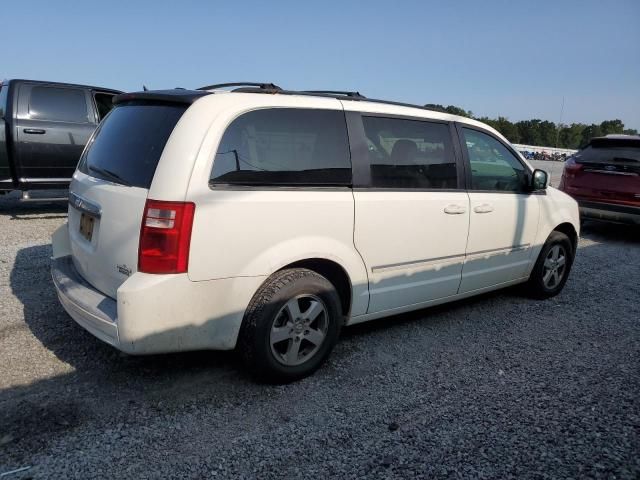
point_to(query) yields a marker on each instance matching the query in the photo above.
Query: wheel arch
(569, 230)
(332, 271)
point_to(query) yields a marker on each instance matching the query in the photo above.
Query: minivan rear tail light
(165, 237)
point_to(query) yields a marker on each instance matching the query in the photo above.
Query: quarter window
(58, 104)
(410, 154)
(493, 166)
(284, 146)
(104, 104)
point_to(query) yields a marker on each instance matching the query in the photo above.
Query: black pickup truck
(43, 128)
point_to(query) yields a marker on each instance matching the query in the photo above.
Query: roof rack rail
(335, 92)
(250, 87)
(261, 86)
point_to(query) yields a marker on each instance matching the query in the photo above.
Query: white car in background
(265, 220)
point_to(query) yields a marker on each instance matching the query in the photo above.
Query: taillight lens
(165, 237)
(571, 166)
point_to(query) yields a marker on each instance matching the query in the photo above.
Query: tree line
(543, 132)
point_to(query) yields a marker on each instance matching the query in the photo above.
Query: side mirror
(539, 180)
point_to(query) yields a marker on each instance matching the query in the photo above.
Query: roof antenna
(144, 88)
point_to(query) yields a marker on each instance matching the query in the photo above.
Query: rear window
(284, 146)
(608, 154)
(128, 143)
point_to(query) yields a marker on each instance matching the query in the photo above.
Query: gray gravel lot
(493, 387)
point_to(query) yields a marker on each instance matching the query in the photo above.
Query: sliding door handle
(484, 208)
(34, 131)
(454, 209)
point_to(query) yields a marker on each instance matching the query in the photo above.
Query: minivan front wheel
(291, 325)
(552, 268)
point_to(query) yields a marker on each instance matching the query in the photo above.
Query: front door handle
(34, 131)
(484, 208)
(454, 209)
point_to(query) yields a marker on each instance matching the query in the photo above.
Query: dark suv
(44, 127)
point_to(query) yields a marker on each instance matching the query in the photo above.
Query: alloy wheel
(299, 330)
(555, 265)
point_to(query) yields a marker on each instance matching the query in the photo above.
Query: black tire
(535, 286)
(266, 308)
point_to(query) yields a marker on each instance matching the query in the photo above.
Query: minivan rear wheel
(552, 268)
(291, 325)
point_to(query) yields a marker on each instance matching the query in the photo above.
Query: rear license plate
(86, 225)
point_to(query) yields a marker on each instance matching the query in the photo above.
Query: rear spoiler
(619, 141)
(177, 95)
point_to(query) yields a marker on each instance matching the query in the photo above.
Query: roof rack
(252, 87)
(261, 86)
(335, 92)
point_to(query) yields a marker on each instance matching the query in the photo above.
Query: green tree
(505, 127)
(436, 107)
(548, 133)
(452, 109)
(543, 133)
(609, 127)
(570, 136)
(529, 131)
(588, 133)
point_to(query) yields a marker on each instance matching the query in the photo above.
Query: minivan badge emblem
(123, 269)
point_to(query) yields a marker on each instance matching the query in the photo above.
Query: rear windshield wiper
(110, 174)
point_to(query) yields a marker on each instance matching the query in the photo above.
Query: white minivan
(265, 219)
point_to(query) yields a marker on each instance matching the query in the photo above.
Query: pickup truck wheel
(552, 268)
(290, 327)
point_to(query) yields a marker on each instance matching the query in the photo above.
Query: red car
(604, 178)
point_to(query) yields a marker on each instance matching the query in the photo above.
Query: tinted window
(58, 104)
(127, 145)
(284, 146)
(609, 154)
(4, 89)
(104, 104)
(410, 153)
(493, 166)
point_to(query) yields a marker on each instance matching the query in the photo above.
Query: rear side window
(127, 146)
(284, 146)
(410, 154)
(58, 104)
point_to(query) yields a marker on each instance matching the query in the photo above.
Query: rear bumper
(154, 313)
(90, 308)
(609, 212)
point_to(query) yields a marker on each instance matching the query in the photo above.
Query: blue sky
(512, 58)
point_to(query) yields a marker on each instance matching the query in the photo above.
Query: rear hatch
(608, 170)
(109, 190)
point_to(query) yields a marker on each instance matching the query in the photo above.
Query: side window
(493, 166)
(104, 104)
(410, 153)
(58, 104)
(284, 146)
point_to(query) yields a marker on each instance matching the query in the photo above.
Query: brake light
(165, 237)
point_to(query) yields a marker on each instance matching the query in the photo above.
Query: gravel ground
(492, 387)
